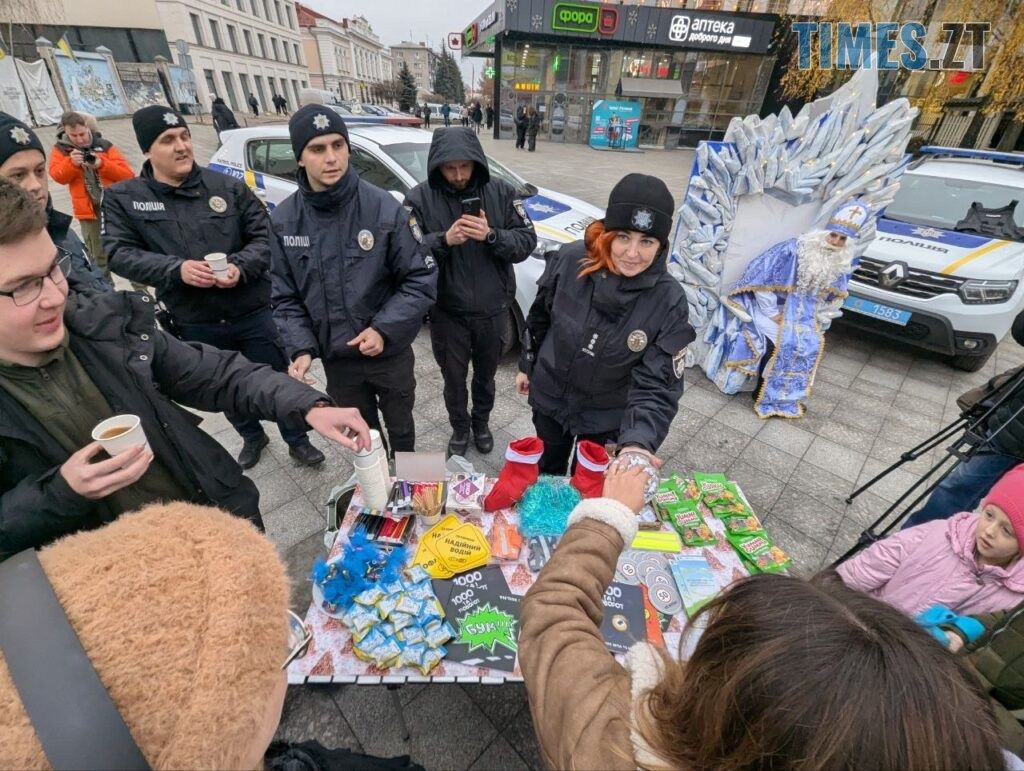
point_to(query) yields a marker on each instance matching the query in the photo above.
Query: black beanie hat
(150, 122)
(312, 121)
(643, 203)
(15, 136)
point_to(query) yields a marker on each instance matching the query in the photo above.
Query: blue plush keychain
(361, 565)
(934, 617)
(545, 506)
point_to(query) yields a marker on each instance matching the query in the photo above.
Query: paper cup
(218, 261)
(120, 433)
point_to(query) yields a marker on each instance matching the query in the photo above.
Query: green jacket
(998, 656)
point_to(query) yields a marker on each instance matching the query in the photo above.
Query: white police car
(945, 271)
(395, 159)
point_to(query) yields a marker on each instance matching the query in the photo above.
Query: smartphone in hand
(471, 206)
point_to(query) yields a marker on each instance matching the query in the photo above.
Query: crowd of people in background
(908, 655)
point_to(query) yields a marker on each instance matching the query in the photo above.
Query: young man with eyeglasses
(23, 162)
(157, 229)
(68, 361)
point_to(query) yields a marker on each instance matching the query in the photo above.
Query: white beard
(818, 264)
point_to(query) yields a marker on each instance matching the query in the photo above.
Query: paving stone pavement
(872, 400)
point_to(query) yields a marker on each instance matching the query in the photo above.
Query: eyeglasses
(299, 637)
(28, 291)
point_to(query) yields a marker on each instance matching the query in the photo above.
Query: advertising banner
(615, 125)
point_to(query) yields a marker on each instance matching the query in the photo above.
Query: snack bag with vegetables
(710, 485)
(760, 552)
(687, 521)
(742, 524)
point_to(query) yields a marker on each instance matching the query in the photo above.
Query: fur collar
(645, 668)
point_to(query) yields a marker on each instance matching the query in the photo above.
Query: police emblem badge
(637, 340)
(679, 364)
(218, 204)
(643, 219)
(365, 239)
(521, 211)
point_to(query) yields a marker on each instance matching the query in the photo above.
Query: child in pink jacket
(970, 562)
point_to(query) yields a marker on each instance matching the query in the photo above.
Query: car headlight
(545, 245)
(978, 291)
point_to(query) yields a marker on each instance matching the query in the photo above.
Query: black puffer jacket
(150, 228)
(476, 279)
(1010, 439)
(331, 282)
(140, 371)
(223, 118)
(84, 275)
(603, 352)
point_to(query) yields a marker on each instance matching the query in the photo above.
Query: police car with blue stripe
(945, 271)
(395, 159)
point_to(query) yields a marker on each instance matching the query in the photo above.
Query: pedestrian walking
(253, 104)
(521, 122)
(352, 281)
(532, 127)
(159, 228)
(446, 112)
(223, 117)
(464, 115)
(426, 115)
(477, 116)
(490, 117)
(477, 229)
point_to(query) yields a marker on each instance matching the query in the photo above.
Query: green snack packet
(726, 498)
(760, 552)
(742, 524)
(710, 485)
(669, 493)
(686, 519)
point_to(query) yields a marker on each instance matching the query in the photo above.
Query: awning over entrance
(654, 87)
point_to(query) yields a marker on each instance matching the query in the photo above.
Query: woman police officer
(606, 336)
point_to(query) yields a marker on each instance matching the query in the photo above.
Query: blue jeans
(256, 338)
(964, 488)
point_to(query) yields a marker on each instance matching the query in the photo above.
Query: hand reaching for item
(300, 367)
(369, 341)
(625, 485)
(343, 425)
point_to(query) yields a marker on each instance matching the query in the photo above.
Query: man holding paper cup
(90, 371)
(201, 239)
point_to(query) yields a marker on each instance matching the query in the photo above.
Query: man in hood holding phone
(477, 228)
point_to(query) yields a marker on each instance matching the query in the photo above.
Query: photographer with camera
(86, 162)
(1001, 447)
(477, 229)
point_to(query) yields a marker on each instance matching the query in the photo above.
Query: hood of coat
(961, 531)
(456, 143)
(645, 667)
(66, 145)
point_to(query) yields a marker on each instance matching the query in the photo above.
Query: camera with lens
(88, 156)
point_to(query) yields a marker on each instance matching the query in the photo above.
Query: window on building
(255, 8)
(246, 90)
(266, 10)
(215, 33)
(241, 5)
(197, 29)
(263, 45)
(295, 90)
(273, 45)
(211, 85)
(272, 156)
(260, 93)
(248, 41)
(226, 3)
(298, 55)
(229, 88)
(304, 85)
(277, 10)
(374, 171)
(291, 17)
(287, 51)
(233, 38)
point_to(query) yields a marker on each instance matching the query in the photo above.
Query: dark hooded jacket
(344, 259)
(476, 279)
(223, 117)
(83, 273)
(604, 352)
(1007, 421)
(142, 371)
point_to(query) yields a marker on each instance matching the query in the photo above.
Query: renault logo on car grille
(892, 275)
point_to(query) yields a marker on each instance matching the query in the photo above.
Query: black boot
(458, 444)
(251, 450)
(483, 439)
(306, 454)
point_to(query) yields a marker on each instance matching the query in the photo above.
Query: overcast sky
(427, 21)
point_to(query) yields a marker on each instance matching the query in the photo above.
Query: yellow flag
(65, 47)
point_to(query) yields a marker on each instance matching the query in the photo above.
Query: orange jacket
(113, 169)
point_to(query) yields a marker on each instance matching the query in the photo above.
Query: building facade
(422, 62)
(690, 70)
(238, 47)
(132, 31)
(344, 56)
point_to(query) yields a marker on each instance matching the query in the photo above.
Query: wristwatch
(491, 237)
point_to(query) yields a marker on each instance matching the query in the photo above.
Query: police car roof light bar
(1016, 159)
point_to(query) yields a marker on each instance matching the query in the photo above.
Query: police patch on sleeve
(414, 226)
(428, 261)
(679, 364)
(521, 211)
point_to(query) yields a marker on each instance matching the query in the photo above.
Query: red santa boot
(591, 462)
(521, 470)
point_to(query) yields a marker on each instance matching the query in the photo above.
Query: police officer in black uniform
(158, 227)
(352, 280)
(477, 230)
(604, 345)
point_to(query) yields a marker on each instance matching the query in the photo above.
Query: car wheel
(970, 363)
(511, 331)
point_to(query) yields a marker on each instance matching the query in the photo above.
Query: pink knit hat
(1008, 495)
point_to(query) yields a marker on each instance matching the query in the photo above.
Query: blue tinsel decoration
(362, 565)
(545, 506)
